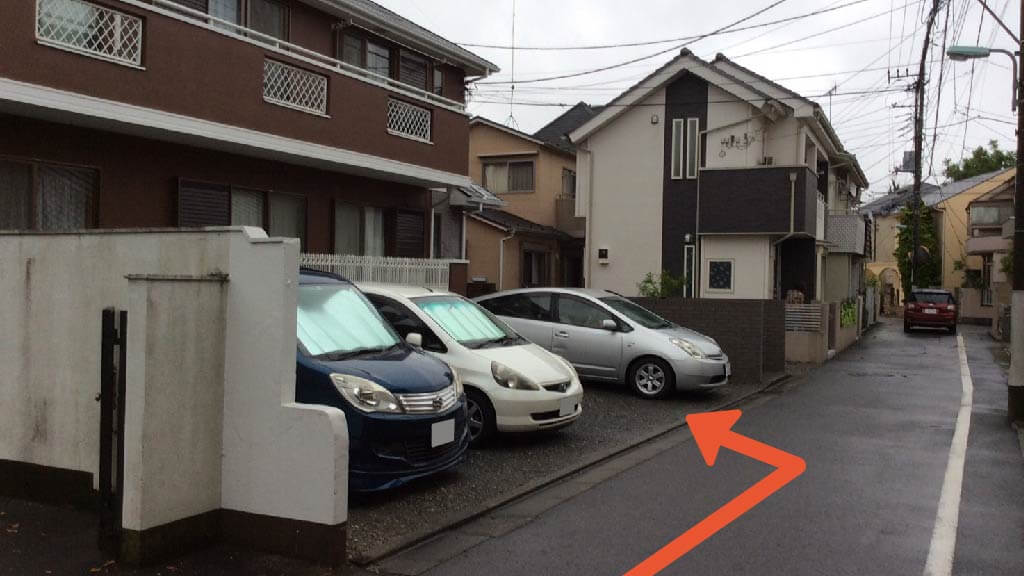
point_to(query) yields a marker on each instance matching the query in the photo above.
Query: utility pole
(919, 142)
(1015, 390)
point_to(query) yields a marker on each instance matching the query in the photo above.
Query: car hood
(531, 361)
(402, 371)
(706, 344)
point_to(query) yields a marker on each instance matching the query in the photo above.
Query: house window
(692, 147)
(373, 231)
(438, 87)
(720, 275)
(90, 29)
(203, 204)
(677, 149)
(535, 268)
(347, 229)
(568, 183)
(287, 216)
(435, 236)
(511, 176)
(269, 17)
(378, 59)
(247, 208)
(412, 69)
(46, 197)
(352, 50)
(226, 10)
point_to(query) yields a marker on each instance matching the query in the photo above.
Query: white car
(511, 384)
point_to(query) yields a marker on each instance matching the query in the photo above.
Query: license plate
(930, 311)
(728, 369)
(442, 433)
(566, 406)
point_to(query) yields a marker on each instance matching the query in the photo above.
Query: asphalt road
(874, 426)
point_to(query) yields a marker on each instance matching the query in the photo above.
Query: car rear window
(931, 298)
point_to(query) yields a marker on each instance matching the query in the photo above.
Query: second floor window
(378, 59)
(227, 10)
(509, 176)
(412, 70)
(438, 87)
(269, 17)
(568, 183)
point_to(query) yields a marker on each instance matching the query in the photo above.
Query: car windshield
(636, 312)
(468, 323)
(336, 321)
(932, 297)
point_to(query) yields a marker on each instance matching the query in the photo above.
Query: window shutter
(15, 195)
(201, 204)
(64, 196)
(409, 234)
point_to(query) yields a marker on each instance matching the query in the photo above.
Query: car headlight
(509, 378)
(366, 395)
(688, 347)
(456, 380)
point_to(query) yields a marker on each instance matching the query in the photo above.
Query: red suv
(930, 308)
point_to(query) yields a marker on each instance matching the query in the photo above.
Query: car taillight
(951, 308)
(910, 305)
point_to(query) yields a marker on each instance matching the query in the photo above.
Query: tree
(930, 254)
(981, 161)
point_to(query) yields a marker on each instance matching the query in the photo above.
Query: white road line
(940, 553)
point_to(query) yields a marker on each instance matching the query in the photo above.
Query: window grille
(405, 119)
(293, 87)
(89, 29)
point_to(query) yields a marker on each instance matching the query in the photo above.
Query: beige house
(949, 204)
(535, 239)
(986, 298)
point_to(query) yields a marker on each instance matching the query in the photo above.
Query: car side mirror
(414, 339)
(609, 324)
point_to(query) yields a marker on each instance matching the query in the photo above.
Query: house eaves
(685, 62)
(379, 20)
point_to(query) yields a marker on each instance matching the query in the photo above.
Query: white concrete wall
(732, 145)
(174, 400)
(752, 258)
(192, 348)
(784, 142)
(627, 163)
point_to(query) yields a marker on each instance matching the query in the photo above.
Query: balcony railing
(204, 20)
(846, 233)
(566, 219)
(90, 29)
(408, 120)
(294, 87)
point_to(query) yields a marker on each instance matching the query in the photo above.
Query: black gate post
(122, 370)
(106, 398)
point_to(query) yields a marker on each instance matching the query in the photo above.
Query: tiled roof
(931, 194)
(556, 132)
(519, 225)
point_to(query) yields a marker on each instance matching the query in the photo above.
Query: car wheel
(479, 418)
(651, 378)
(952, 329)
(906, 327)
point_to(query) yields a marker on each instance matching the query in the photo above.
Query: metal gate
(111, 398)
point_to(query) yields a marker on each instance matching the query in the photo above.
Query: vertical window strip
(692, 147)
(677, 148)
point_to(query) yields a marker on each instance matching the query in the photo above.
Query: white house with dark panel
(710, 170)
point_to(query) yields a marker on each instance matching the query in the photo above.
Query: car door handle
(561, 334)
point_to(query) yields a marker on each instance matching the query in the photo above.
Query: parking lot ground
(613, 420)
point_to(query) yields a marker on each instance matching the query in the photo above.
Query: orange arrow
(713, 430)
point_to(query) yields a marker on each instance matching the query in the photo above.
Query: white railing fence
(803, 317)
(90, 29)
(433, 274)
(293, 87)
(410, 121)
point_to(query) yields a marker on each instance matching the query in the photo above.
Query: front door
(580, 338)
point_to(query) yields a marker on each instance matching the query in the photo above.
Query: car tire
(651, 378)
(906, 327)
(480, 418)
(952, 329)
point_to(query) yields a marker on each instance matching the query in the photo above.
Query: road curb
(460, 519)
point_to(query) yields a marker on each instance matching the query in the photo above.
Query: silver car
(608, 337)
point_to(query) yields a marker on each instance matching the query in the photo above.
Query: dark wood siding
(201, 204)
(686, 97)
(756, 201)
(409, 234)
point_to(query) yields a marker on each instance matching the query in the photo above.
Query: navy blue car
(406, 411)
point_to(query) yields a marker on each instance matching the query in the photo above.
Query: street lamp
(962, 53)
(1015, 388)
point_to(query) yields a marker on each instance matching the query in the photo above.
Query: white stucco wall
(210, 417)
(732, 145)
(753, 265)
(627, 163)
(784, 142)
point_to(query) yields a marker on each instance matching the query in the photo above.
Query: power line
(664, 40)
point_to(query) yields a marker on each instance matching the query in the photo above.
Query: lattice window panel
(407, 120)
(293, 87)
(90, 29)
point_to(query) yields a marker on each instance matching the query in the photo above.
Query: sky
(855, 49)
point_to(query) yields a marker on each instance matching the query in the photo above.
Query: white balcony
(846, 233)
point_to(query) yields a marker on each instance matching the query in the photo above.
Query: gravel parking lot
(613, 419)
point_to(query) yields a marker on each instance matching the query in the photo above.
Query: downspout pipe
(792, 210)
(501, 258)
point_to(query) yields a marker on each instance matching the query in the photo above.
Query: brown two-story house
(325, 120)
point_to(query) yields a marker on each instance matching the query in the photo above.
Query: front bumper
(388, 450)
(701, 373)
(531, 410)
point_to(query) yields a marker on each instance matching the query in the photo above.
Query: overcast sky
(866, 123)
